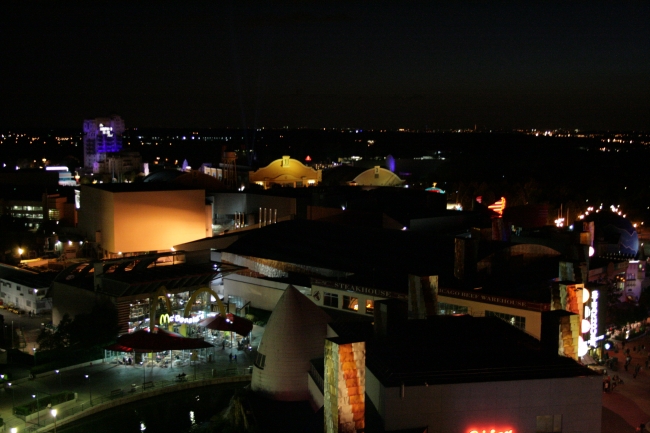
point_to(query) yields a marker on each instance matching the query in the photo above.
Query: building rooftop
(457, 349)
(143, 275)
(140, 187)
(27, 278)
(349, 249)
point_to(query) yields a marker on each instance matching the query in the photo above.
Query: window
(331, 300)
(549, 424)
(18, 288)
(445, 309)
(350, 303)
(370, 306)
(260, 361)
(517, 321)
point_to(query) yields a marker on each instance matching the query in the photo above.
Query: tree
(59, 338)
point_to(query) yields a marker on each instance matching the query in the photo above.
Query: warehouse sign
(491, 299)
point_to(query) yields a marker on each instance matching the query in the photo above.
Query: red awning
(144, 341)
(240, 325)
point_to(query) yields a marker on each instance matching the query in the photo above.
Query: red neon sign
(498, 207)
(492, 431)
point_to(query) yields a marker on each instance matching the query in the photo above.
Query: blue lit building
(101, 136)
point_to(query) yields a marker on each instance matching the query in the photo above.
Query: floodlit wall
(345, 387)
(143, 220)
(293, 336)
(575, 403)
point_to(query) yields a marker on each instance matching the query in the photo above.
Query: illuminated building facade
(377, 176)
(286, 172)
(25, 290)
(134, 286)
(125, 219)
(102, 135)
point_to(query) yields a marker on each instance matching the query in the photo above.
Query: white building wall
(24, 297)
(317, 398)
(500, 405)
(261, 293)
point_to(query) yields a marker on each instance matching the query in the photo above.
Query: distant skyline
(327, 64)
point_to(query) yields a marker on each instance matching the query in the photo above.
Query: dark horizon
(502, 65)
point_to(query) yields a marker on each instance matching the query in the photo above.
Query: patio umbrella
(240, 325)
(145, 341)
(149, 342)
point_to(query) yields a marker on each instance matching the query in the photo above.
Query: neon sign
(498, 206)
(492, 431)
(166, 318)
(593, 332)
(106, 130)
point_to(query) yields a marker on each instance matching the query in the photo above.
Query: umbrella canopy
(144, 341)
(240, 325)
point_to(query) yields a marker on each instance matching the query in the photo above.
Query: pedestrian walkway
(631, 400)
(95, 382)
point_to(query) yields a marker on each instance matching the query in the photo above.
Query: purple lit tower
(101, 136)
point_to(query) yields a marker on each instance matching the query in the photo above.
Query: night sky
(367, 65)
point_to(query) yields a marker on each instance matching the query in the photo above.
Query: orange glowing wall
(345, 390)
(143, 220)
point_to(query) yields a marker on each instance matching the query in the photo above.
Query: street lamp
(34, 349)
(53, 412)
(38, 408)
(90, 390)
(13, 404)
(20, 253)
(59, 376)
(14, 430)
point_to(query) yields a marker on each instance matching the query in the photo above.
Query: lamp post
(38, 408)
(90, 390)
(13, 404)
(58, 374)
(20, 253)
(53, 412)
(34, 349)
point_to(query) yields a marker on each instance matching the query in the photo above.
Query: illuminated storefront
(141, 288)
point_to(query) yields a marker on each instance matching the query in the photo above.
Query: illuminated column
(570, 336)
(275, 216)
(345, 386)
(260, 218)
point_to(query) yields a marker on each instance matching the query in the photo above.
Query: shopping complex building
(180, 287)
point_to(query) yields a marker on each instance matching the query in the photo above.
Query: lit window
(516, 321)
(370, 306)
(350, 303)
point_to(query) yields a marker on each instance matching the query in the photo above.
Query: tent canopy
(145, 341)
(240, 325)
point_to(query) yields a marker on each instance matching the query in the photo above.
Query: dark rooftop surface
(141, 187)
(27, 278)
(457, 349)
(142, 275)
(350, 249)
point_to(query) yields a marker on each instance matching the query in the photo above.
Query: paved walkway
(631, 400)
(106, 377)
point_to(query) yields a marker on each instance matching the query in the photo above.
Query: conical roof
(294, 334)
